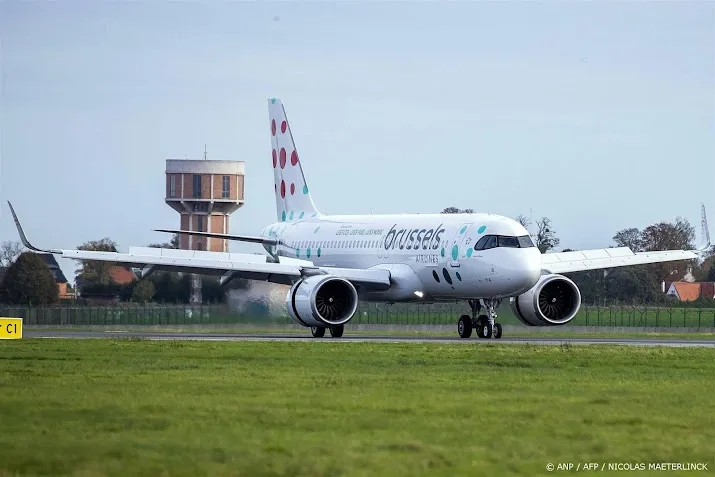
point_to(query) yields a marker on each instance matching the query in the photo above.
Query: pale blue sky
(599, 115)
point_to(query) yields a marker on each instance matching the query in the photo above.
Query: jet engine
(554, 300)
(322, 300)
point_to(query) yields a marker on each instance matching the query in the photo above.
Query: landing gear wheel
(317, 331)
(464, 326)
(484, 330)
(336, 331)
(497, 330)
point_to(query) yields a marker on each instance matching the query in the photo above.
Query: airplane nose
(532, 267)
(529, 270)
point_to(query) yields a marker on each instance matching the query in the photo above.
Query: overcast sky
(598, 115)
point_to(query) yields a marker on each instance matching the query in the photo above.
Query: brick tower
(205, 193)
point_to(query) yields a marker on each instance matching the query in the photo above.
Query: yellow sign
(10, 328)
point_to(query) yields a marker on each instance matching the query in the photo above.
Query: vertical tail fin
(293, 201)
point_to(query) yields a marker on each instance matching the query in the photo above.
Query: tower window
(197, 186)
(226, 189)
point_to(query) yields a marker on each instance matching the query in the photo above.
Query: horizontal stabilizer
(238, 238)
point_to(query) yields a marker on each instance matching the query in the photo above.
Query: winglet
(23, 238)
(705, 233)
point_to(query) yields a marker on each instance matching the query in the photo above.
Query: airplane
(333, 261)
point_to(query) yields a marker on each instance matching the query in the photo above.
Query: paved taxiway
(365, 338)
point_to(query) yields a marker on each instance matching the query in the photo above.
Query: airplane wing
(284, 270)
(577, 261)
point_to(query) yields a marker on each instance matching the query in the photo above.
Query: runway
(365, 338)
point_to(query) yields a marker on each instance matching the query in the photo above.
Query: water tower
(204, 193)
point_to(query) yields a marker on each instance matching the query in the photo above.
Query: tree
(631, 238)
(8, 251)
(143, 291)
(545, 237)
(668, 236)
(174, 243)
(454, 210)
(94, 271)
(29, 281)
(523, 220)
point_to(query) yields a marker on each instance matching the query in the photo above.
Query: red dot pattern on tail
(275, 158)
(294, 158)
(292, 189)
(283, 158)
(273, 127)
(283, 189)
(283, 126)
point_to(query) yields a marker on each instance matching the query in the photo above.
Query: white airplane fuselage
(431, 257)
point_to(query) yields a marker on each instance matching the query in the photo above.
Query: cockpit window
(493, 241)
(525, 241)
(505, 241)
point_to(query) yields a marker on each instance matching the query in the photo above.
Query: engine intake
(322, 300)
(554, 300)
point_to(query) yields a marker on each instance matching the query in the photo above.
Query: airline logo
(413, 239)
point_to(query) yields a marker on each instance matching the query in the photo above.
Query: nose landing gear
(485, 325)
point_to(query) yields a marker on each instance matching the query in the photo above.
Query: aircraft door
(456, 248)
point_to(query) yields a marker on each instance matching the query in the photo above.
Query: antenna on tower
(204, 152)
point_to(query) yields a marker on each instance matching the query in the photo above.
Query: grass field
(136, 407)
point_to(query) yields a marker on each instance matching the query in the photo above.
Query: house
(118, 275)
(685, 291)
(707, 290)
(57, 274)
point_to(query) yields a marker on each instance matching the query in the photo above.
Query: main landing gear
(484, 324)
(319, 331)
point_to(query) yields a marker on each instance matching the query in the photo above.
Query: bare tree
(9, 251)
(523, 220)
(545, 237)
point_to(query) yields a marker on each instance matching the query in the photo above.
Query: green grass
(136, 407)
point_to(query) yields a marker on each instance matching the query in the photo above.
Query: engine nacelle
(322, 300)
(554, 300)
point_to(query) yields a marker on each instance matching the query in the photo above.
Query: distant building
(118, 275)
(687, 291)
(57, 274)
(204, 193)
